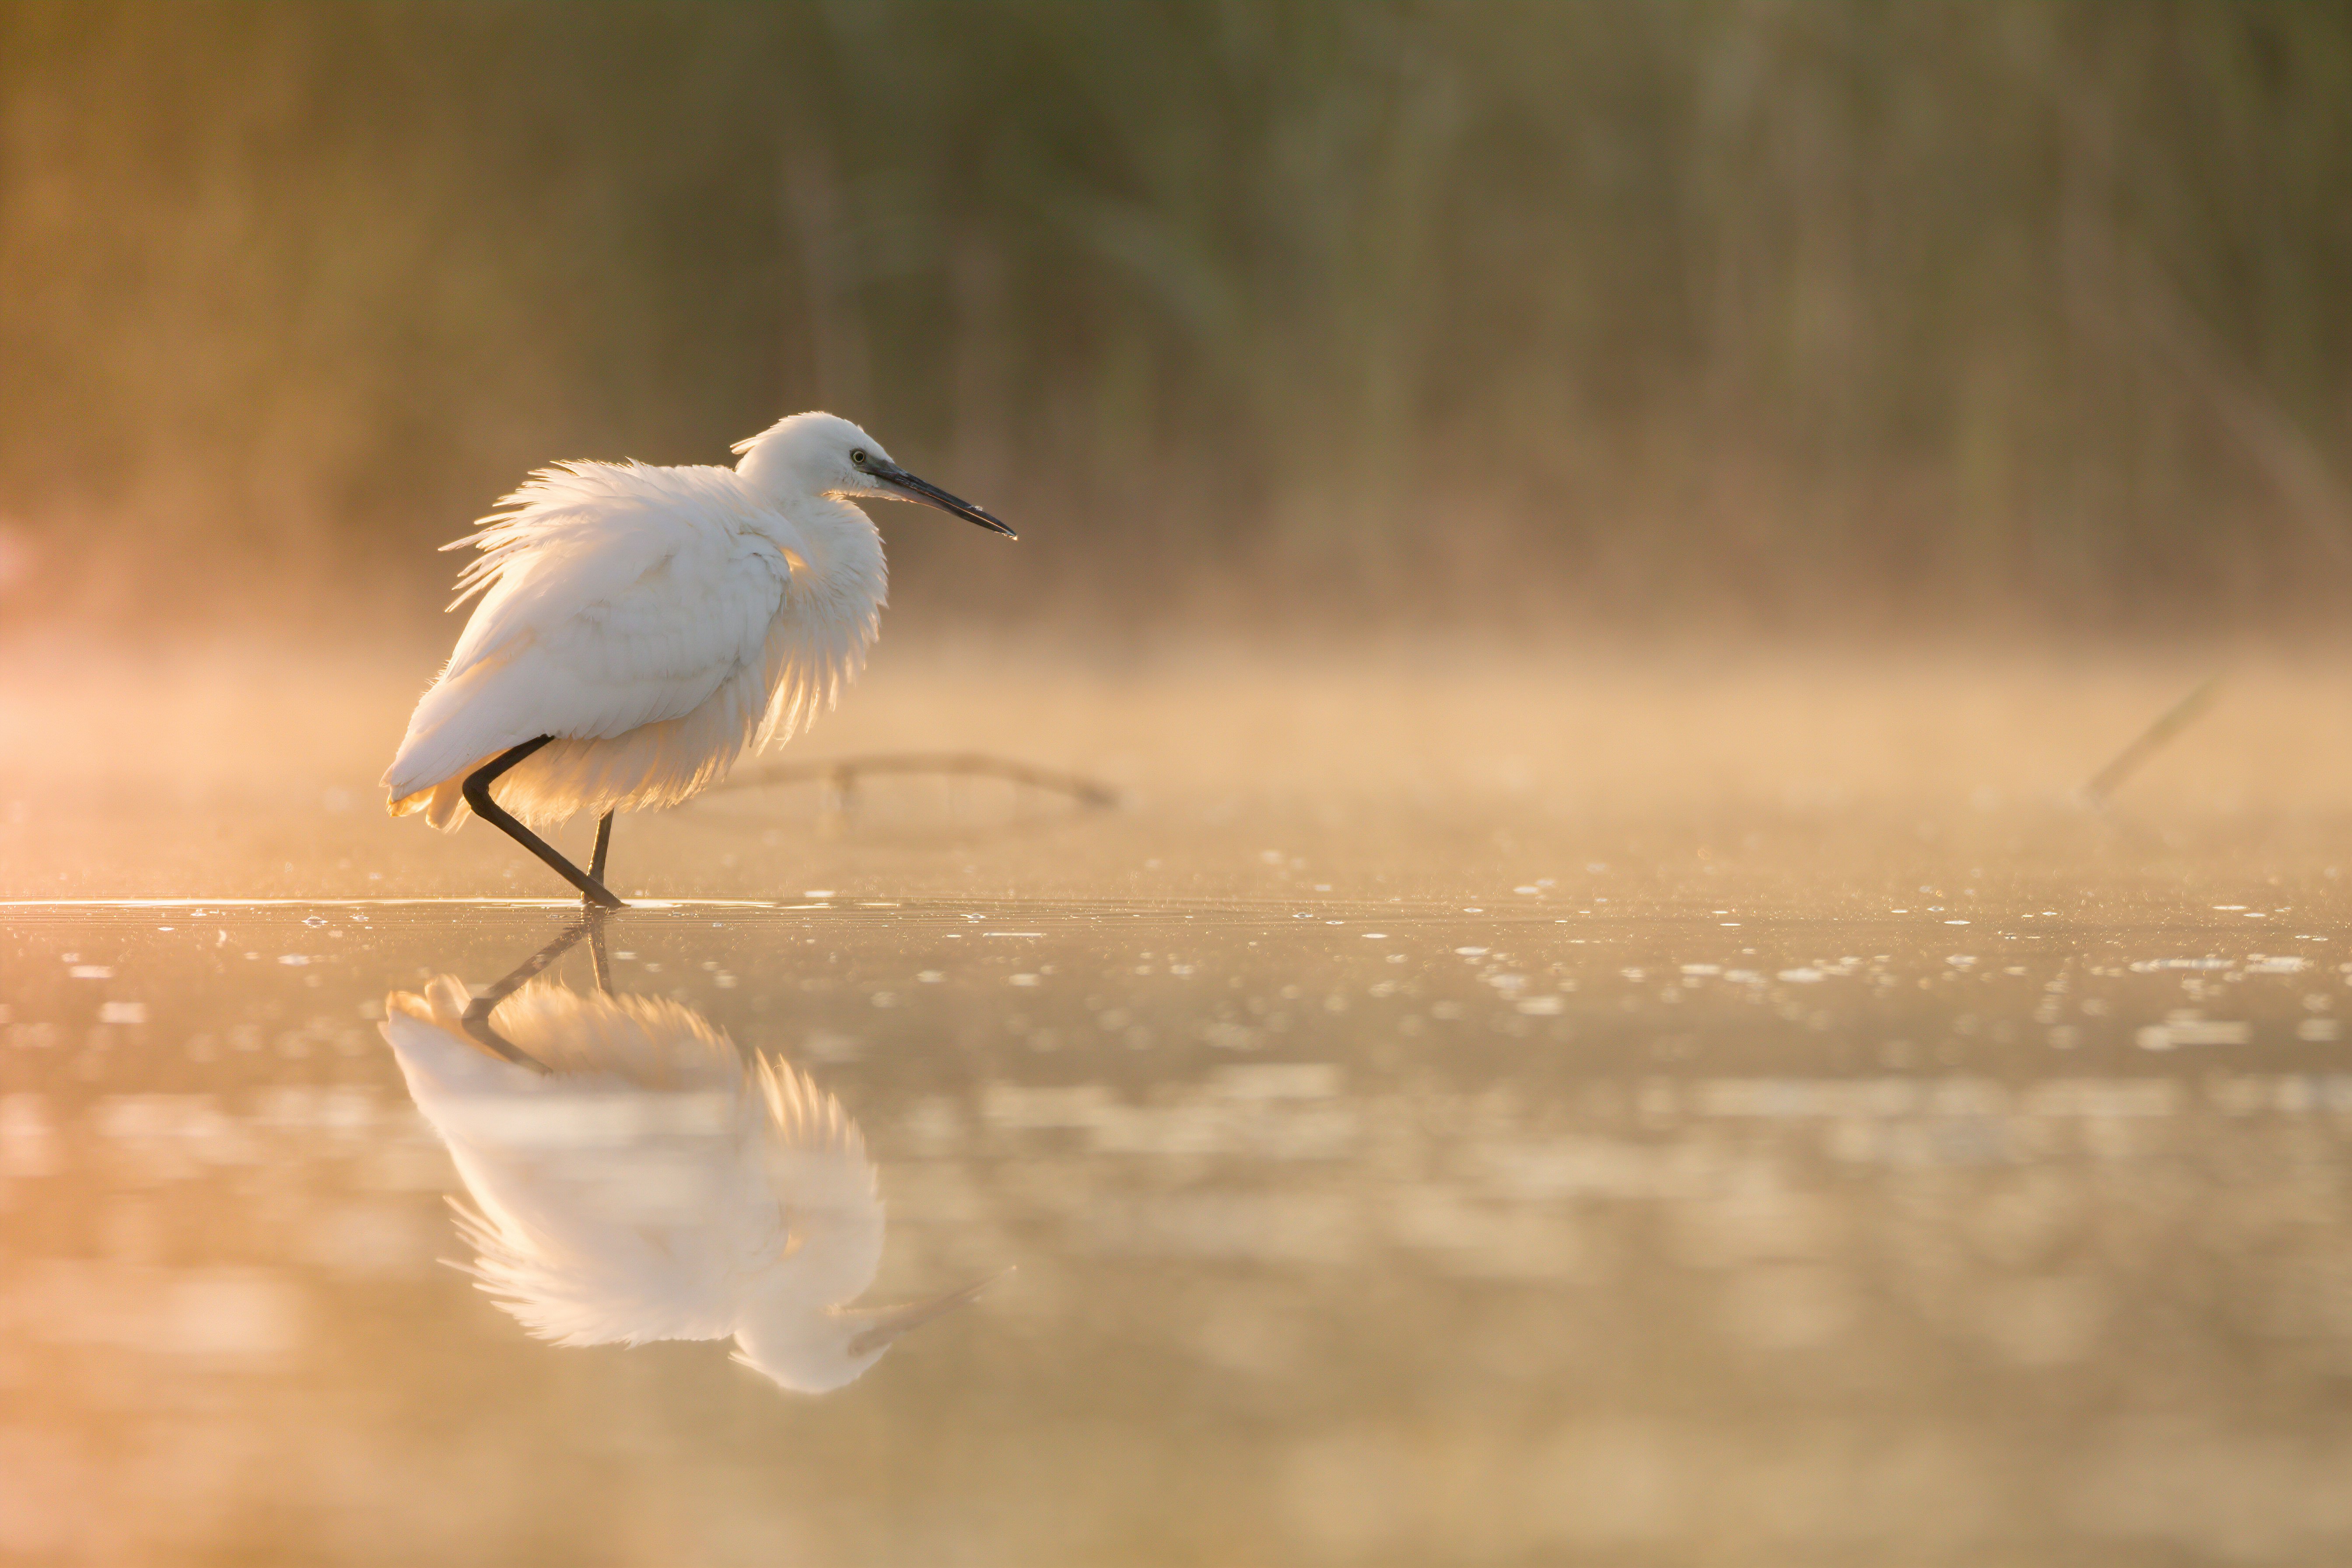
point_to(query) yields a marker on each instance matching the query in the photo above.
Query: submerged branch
(2169, 723)
(841, 774)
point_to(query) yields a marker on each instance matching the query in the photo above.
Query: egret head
(816, 1350)
(823, 454)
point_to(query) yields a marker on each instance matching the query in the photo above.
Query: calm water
(1505, 1113)
(1973, 1228)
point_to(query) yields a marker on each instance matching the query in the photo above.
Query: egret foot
(478, 795)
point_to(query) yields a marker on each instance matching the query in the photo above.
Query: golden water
(1653, 1119)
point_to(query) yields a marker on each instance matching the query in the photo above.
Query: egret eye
(857, 457)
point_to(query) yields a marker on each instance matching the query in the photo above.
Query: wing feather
(614, 599)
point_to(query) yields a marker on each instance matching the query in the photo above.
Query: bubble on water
(1788, 1306)
(28, 1144)
(2180, 1030)
(1277, 1081)
(2043, 1322)
(827, 1046)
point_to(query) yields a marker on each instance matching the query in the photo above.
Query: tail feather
(443, 803)
(645, 769)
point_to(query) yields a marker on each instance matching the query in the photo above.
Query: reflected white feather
(656, 621)
(653, 1185)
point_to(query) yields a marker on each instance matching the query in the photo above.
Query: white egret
(635, 1179)
(639, 626)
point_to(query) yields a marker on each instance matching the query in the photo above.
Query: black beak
(923, 490)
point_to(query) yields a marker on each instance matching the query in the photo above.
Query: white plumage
(656, 621)
(653, 1185)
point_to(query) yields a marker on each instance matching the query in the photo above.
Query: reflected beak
(885, 1324)
(908, 487)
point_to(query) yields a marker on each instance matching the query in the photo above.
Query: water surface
(1344, 1231)
(1505, 1114)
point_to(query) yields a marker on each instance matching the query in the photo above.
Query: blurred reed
(1980, 313)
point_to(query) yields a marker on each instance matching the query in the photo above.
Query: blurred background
(1600, 549)
(1996, 316)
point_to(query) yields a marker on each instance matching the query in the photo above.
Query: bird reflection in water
(636, 1177)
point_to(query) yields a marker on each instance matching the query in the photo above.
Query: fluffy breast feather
(656, 621)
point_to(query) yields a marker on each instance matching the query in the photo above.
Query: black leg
(604, 842)
(478, 795)
(477, 1021)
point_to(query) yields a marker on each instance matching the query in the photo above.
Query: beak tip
(909, 487)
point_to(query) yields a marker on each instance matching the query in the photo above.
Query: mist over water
(1442, 1110)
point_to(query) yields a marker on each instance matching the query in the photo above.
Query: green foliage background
(1858, 312)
